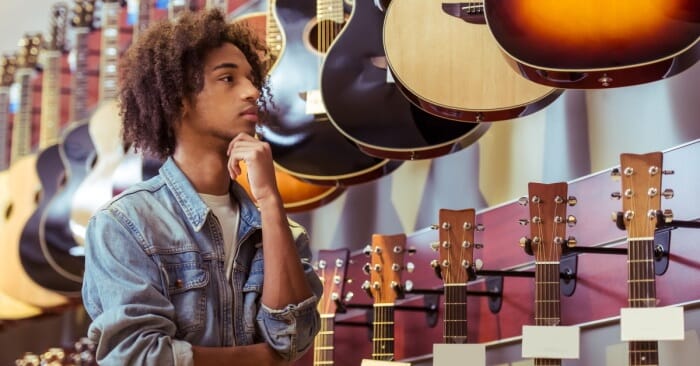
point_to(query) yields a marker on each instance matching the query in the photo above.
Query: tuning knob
(478, 264)
(367, 250)
(408, 286)
(434, 227)
(478, 246)
(616, 195)
(435, 246)
(367, 268)
(523, 222)
(668, 172)
(436, 267)
(571, 201)
(480, 227)
(668, 216)
(411, 250)
(523, 201)
(524, 241)
(615, 173)
(366, 287)
(668, 193)
(410, 267)
(349, 296)
(571, 242)
(571, 220)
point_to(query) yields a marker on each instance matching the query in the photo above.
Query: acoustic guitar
(371, 110)
(596, 43)
(44, 266)
(297, 195)
(548, 221)
(23, 187)
(10, 308)
(304, 143)
(77, 154)
(387, 262)
(449, 64)
(104, 128)
(456, 266)
(641, 201)
(332, 268)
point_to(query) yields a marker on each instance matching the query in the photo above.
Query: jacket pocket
(187, 282)
(252, 291)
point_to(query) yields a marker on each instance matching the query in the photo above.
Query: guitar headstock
(456, 245)
(332, 268)
(548, 219)
(641, 193)
(8, 66)
(83, 13)
(387, 262)
(57, 26)
(29, 45)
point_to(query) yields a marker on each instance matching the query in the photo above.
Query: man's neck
(206, 170)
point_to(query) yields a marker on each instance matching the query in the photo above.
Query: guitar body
(373, 112)
(47, 268)
(24, 185)
(96, 188)
(57, 240)
(450, 66)
(307, 145)
(596, 44)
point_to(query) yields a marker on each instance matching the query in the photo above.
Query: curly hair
(165, 66)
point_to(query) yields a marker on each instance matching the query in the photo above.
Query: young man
(183, 269)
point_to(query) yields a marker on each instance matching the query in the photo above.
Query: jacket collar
(192, 205)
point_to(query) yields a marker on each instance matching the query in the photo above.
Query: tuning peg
(523, 222)
(397, 249)
(616, 195)
(322, 264)
(571, 242)
(571, 201)
(465, 263)
(522, 201)
(478, 264)
(615, 173)
(434, 226)
(480, 227)
(408, 286)
(668, 172)
(377, 267)
(446, 225)
(366, 287)
(668, 193)
(349, 296)
(668, 216)
(411, 250)
(395, 267)
(571, 220)
(558, 240)
(396, 287)
(536, 219)
(367, 250)
(436, 268)
(336, 280)
(536, 240)
(614, 215)
(467, 226)
(478, 246)
(367, 268)
(524, 241)
(410, 267)
(435, 245)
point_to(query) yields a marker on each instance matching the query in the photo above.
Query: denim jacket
(155, 281)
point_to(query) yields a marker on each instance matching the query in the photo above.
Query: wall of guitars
(403, 143)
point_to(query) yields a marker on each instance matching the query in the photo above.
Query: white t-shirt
(227, 213)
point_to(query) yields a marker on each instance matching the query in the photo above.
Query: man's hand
(257, 156)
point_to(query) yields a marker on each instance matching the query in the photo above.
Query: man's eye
(227, 79)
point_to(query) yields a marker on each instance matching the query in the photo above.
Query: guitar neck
(273, 35)
(50, 103)
(109, 55)
(547, 301)
(4, 125)
(455, 328)
(79, 94)
(642, 294)
(383, 332)
(323, 343)
(21, 130)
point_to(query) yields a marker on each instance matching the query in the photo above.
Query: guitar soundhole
(37, 196)
(93, 161)
(8, 211)
(320, 35)
(62, 180)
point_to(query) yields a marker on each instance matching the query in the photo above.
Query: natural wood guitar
(450, 65)
(387, 262)
(58, 271)
(641, 200)
(23, 185)
(332, 268)
(10, 308)
(456, 265)
(105, 128)
(548, 221)
(596, 43)
(369, 109)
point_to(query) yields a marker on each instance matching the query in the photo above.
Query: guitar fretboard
(109, 56)
(547, 301)
(273, 35)
(4, 125)
(79, 93)
(641, 285)
(50, 105)
(383, 332)
(455, 329)
(323, 343)
(21, 130)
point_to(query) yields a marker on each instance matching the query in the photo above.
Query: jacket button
(178, 283)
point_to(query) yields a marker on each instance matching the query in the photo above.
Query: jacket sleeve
(291, 330)
(123, 294)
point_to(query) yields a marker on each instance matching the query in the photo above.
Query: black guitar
(374, 113)
(40, 265)
(304, 143)
(77, 153)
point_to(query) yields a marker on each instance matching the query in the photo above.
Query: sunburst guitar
(24, 186)
(450, 65)
(596, 43)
